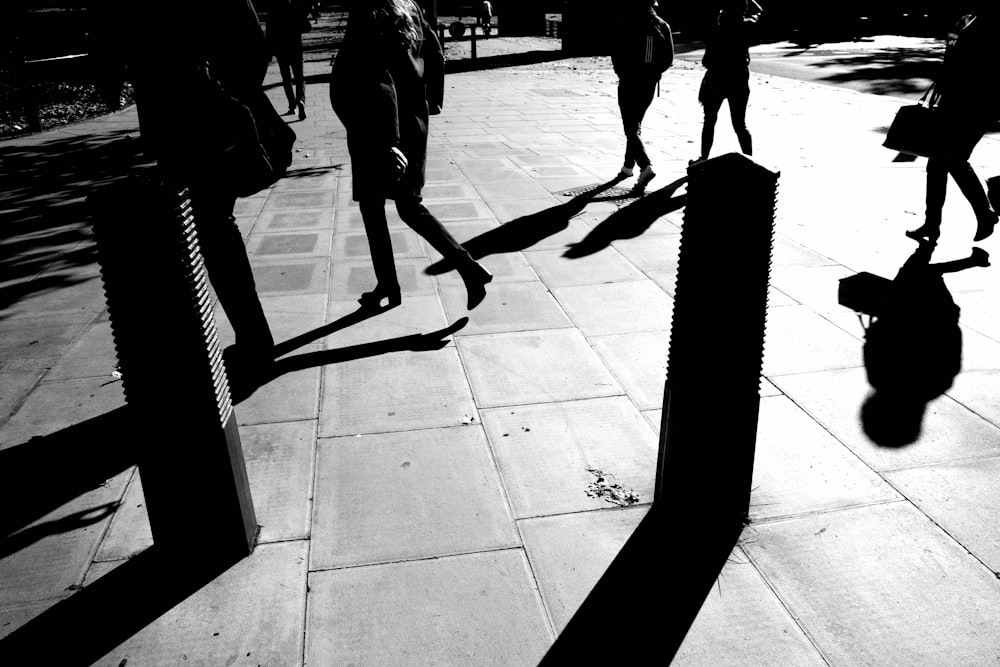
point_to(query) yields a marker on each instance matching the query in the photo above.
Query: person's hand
(397, 163)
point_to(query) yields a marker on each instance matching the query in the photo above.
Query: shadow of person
(524, 232)
(631, 221)
(913, 346)
(243, 384)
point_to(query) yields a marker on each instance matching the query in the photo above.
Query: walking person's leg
(711, 101)
(738, 114)
(630, 125)
(300, 83)
(937, 188)
(419, 219)
(285, 67)
(644, 92)
(380, 246)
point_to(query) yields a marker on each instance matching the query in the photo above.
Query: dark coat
(180, 70)
(383, 93)
(629, 44)
(285, 22)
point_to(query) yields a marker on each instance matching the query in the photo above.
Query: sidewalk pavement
(430, 506)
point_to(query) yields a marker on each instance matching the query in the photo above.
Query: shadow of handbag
(917, 129)
(259, 147)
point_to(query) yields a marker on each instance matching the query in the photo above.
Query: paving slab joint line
(397, 561)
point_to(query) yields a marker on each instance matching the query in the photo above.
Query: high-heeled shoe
(302, 111)
(985, 226)
(925, 231)
(373, 299)
(475, 277)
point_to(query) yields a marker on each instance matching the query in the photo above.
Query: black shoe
(985, 226)
(302, 111)
(291, 111)
(993, 192)
(373, 300)
(475, 277)
(926, 231)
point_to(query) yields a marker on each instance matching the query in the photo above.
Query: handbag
(918, 129)
(259, 147)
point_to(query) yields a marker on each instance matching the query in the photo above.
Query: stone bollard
(711, 401)
(187, 444)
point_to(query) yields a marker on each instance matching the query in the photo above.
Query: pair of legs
(712, 101)
(290, 65)
(635, 94)
(961, 142)
(423, 222)
(229, 271)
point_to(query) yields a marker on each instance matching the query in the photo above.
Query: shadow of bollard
(188, 446)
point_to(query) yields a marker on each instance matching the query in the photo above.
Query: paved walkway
(431, 506)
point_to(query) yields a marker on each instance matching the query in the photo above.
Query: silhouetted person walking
(387, 78)
(968, 97)
(179, 80)
(286, 20)
(642, 51)
(727, 72)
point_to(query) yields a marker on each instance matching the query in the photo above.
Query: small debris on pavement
(468, 420)
(605, 487)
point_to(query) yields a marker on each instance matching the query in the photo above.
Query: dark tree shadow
(522, 233)
(900, 72)
(43, 212)
(631, 221)
(913, 345)
(643, 606)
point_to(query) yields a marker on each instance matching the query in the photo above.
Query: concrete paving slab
(505, 211)
(354, 246)
(441, 611)
(615, 308)
(508, 307)
(307, 178)
(834, 399)
(742, 622)
(511, 190)
(54, 406)
(302, 276)
(544, 452)
(654, 253)
(556, 270)
(128, 532)
(539, 367)
(395, 392)
(977, 390)
(962, 498)
(979, 352)
(248, 206)
(800, 341)
(301, 219)
(283, 201)
(506, 268)
(881, 581)
(800, 468)
(11, 618)
(42, 560)
(93, 354)
(415, 315)
(352, 220)
(290, 244)
(289, 397)
(639, 361)
(472, 209)
(569, 554)
(14, 388)
(252, 612)
(436, 192)
(349, 280)
(813, 286)
(404, 496)
(35, 338)
(77, 297)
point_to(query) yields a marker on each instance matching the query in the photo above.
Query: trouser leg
(738, 113)
(423, 222)
(379, 242)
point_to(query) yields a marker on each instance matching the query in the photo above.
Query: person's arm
(433, 57)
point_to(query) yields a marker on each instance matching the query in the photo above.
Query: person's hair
(398, 20)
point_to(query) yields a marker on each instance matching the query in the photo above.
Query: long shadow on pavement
(522, 233)
(630, 221)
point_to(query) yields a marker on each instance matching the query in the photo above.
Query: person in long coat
(388, 77)
(285, 22)
(221, 54)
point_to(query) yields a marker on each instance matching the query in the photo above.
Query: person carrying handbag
(187, 81)
(968, 103)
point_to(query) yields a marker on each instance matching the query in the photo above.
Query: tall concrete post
(711, 400)
(187, 444)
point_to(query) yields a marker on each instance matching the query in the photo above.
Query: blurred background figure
(485, 16)
(286, 21)
(387, 79)
(727, 72)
